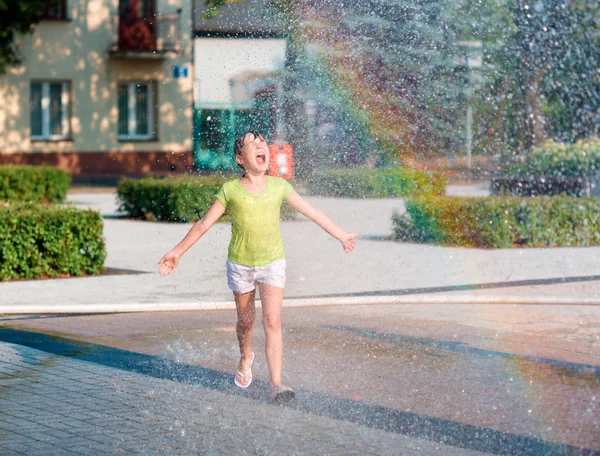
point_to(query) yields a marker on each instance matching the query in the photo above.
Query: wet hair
(239, 142)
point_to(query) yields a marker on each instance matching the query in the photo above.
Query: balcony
(148, 37)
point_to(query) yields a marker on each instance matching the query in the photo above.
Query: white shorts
(242, 279)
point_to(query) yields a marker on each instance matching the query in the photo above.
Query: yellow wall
(78, 51)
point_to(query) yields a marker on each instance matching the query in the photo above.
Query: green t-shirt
(255, 237)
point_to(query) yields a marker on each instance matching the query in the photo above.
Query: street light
(472, 59)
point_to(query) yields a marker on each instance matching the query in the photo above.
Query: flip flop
(282, 394)
(244, 375)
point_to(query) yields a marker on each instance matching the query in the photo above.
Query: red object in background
(137, 28)
(282, 161)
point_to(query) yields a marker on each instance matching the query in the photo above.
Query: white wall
(216, 60)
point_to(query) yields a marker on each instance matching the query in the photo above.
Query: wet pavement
(377, 379)
(371, 379)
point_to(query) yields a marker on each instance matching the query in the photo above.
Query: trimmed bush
(581, 158)
(48, 241)
(180, 199)
(375, 183)
(501, 222)
(39, 184)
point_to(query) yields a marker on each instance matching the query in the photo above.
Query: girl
(256, 256)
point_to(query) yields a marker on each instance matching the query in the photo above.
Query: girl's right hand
(168, 263)
(348, 241)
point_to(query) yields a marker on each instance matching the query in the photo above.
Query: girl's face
(255, 154)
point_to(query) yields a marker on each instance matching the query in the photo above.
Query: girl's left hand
(348, 241)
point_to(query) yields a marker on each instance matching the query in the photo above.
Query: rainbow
(344, 73)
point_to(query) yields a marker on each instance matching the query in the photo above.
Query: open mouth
(261, 159)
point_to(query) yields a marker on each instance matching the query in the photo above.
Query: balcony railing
(152, 36)
(168, 37)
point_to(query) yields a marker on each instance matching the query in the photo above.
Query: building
(241, 81)
(239, 57)
(105, 90)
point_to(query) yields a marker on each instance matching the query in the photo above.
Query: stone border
(17, 309)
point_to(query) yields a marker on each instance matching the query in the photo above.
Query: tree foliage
(388, 69)
(214, 7)
(391, 71)
(17, 18)
(541, 77)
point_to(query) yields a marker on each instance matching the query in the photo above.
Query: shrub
(581, 158)
(375, 183)
(180, 199)
(48, 241)
(40, 184)
(501, 222)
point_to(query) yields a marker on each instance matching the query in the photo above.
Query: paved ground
(370, 380)
(71, 408)
(317, 266)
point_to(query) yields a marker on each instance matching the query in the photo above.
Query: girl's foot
(281, 394)
(243, 378)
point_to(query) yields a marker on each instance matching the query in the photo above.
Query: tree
(401, 70)
(390, 67)
(214, 7)
(386, 69)
(542, 80)
(17, 18)
(571, 87)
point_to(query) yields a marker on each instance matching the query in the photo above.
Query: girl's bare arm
(170, 261)
(320, 218)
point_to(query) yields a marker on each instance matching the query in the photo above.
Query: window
(213, 125)
(136, 111)
(56, 9)
(49, 110)
(218, 127)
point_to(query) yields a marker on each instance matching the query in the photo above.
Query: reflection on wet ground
(404, 422)
(418, 344)
(554, 399)
(387, 367)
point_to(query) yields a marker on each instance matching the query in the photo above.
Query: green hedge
(39, 184)
(501, 222)
(375, 183)
(181, 199)
(48, 241)
(581, 158)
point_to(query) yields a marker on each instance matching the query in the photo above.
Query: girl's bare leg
(271, 298)
(246, 315)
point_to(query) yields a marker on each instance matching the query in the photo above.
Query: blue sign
(180, 71)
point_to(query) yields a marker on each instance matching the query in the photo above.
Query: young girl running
(256, 256)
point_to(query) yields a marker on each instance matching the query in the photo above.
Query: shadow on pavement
(466, 287)
(106, 272)
(361, 413)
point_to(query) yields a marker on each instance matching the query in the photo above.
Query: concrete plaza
(377, 379)
(395, 349)
(319, 271)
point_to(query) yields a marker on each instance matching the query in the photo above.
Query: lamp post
(472, 60)
(469, 122)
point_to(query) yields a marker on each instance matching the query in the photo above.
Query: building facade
(239, 59)
(105, 90)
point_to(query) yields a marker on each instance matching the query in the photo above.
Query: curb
(294, 302)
